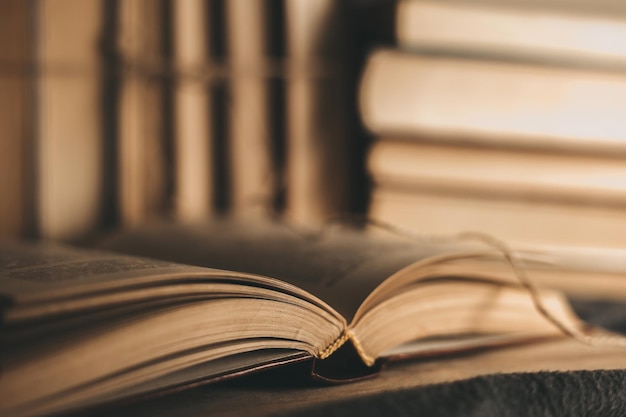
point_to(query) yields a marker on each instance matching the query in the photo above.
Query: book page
(341, 268)
(31, 272)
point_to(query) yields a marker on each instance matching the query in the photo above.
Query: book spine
(17, 58)
(142, 146)
(67, 115)
(252, 166)
(317, 135)
(413, 96)
(193, 142)
(518, 30)
(496, 171)
(519, 221)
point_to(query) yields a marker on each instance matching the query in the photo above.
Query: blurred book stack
(121, 113)
(503, 117)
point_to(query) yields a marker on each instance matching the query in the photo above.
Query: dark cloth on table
(581, 393)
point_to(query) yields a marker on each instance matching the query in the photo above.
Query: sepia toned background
(507, 117)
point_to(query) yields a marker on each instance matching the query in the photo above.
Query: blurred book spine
(193, 141)
(144, 168)
(252, 164)
(524, 222)
(407, 94)
(68, 139)
(505, 171)
(17, 124)
(576, 32)
(318, 139)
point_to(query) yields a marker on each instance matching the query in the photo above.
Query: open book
(85, 327)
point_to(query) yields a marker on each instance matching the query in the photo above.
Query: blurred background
(503, 116)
